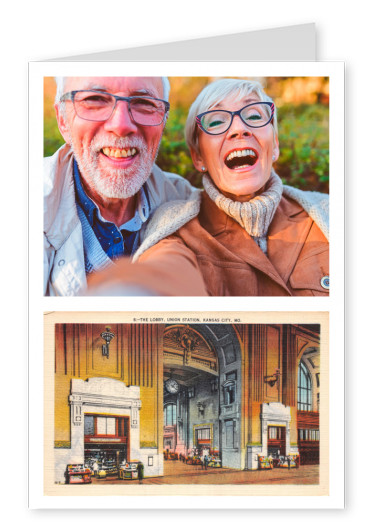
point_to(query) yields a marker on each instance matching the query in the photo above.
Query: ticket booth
(106, 443)
(276, 441)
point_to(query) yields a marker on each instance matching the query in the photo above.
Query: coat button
(325, 282)
(61, 262)
(117, 239)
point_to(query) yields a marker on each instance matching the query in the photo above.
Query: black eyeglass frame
(71, 96)
(236, 113)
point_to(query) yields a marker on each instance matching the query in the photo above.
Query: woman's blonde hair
(216, 92)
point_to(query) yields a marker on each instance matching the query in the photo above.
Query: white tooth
(106, 151)
(133, 151)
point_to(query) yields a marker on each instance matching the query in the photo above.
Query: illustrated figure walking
(140, 472)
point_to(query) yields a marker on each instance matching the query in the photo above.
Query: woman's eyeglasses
(254, 115)
(98, 106)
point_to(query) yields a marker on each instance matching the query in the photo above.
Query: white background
(41, 30)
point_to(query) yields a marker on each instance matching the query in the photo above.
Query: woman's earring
(203, 168)
(273, 158)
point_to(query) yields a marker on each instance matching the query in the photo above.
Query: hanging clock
(172, 386)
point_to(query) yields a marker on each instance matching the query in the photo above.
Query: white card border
(334, 304)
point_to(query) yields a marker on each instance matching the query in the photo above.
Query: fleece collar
(171, 216)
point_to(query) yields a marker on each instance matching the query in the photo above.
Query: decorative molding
(275, 411)
(185, 343)
(229, 409)
(103, 393)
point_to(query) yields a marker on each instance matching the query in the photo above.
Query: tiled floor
(178, 473)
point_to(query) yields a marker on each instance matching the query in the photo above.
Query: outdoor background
(303, 124)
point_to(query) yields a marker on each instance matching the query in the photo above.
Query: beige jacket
(64, 265)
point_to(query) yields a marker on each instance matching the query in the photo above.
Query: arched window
(304, 388)
(170, 415)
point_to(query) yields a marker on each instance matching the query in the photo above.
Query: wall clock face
(172, 386)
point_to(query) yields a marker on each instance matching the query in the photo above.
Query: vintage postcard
(190, 404)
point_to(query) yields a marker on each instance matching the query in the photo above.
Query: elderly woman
(249, 235)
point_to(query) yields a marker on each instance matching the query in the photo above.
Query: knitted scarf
(255, 215)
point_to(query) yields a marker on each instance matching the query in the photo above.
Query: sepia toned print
(187, 402)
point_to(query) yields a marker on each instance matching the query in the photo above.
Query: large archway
(202, 392)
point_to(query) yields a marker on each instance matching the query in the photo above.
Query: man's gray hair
(60, 84)
(216, 92)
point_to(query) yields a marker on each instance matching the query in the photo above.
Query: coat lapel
(287, 234)
(230, 235)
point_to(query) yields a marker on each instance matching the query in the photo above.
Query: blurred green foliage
(304, 146)
(52, 137)
(303, 142)
(173, 154)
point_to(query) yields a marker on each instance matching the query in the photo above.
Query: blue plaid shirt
(115, 241)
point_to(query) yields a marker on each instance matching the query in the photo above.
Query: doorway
(106, 442)
(276, 441)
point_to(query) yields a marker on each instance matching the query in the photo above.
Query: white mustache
(102, 141)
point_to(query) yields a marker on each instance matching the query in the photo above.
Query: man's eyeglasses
(253, 115)
(98, 106)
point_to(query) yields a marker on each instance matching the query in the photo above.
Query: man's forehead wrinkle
(117, 85)
(95, 86)
(131, 92)
(145, 92)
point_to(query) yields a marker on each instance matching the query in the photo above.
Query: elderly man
(102, 186)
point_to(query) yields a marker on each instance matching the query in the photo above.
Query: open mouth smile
(116, 153)
(241, 158)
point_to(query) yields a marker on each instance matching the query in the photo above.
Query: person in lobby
(251, 235)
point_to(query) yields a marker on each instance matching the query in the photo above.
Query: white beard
(114, 183)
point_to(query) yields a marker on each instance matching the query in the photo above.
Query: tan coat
(213, 255)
